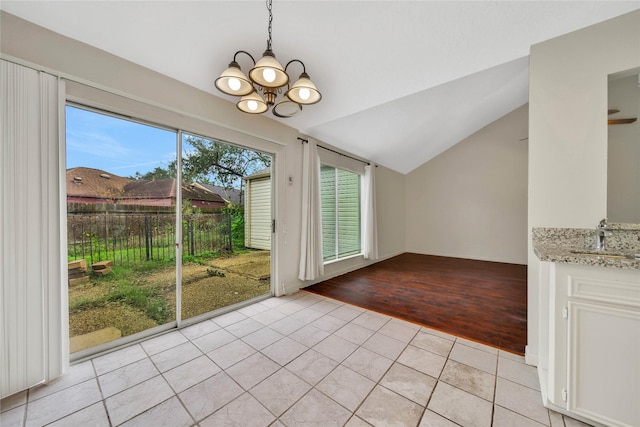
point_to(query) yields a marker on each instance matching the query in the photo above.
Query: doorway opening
(156, 238)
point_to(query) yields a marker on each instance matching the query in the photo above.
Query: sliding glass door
(121, 223)
(222, 266)
(155, 238)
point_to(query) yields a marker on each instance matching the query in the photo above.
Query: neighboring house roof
(198, 192)
(87, 185)
(229, 194)
(158, 189)
(94, 183)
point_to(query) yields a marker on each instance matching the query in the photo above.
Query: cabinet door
(604, 363)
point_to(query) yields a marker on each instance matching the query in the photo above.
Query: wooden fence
(134, 237)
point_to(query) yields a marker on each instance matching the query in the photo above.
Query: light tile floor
(298, 360)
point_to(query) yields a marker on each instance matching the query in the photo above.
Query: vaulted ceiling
(401, 81)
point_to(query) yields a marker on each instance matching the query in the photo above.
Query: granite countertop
(560, 245)
(555, 253)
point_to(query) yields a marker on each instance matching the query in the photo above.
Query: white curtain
(311, 262)
(33, 310)
(369, 221)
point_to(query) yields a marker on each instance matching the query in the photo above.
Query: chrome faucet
(601, 235)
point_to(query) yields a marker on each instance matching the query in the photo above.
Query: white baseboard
(529, 358)
(345, 270)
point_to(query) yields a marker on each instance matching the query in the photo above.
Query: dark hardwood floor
(479, 300)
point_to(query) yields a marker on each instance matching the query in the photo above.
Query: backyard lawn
(133, 299)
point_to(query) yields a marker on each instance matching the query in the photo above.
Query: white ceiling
(401, 81)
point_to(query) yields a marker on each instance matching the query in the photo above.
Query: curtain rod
(334, 151)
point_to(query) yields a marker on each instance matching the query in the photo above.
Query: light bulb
(269, 74)
(252, 105)
(304, 93)
(234, 83)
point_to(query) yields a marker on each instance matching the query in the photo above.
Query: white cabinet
(592, 368)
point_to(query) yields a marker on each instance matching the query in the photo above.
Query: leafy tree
(212, 162)
(157, 173)
(236, 212)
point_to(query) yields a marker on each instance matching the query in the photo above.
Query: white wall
(471, 200)
(391, 205)
(568, 132)
(35, 46)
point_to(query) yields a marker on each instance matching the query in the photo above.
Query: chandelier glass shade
(268, 72)
(270, 77)
(232, 81)
(304, 91)
(252, 103)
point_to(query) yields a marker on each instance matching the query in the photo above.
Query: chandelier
(270, 77)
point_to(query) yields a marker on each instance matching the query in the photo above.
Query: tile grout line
(377, 383)
(353, 413)
(197, 422)
(277, 417)
(426, 405)
(104, 400)
(521, 385)
(495, 390)
(336, 367)
(420, 329)
(434, 387)
(313, 387)
(95, 378)
(26, 407)
(161, 374)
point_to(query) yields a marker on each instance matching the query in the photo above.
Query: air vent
(77, 179)
(105, 176)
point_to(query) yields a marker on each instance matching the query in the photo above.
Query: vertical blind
(33, 345)
(341, 226)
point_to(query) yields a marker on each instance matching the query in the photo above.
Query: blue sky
(117, 146)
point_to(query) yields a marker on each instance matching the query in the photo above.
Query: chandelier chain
(269, 6)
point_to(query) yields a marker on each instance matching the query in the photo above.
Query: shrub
(215, 272)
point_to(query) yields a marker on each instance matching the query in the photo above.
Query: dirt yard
(150, 300)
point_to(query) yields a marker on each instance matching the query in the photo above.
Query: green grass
(141, 267)
(149, 300)
(126, 287)
(84, 303)
(214, 272)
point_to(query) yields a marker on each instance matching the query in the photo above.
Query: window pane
(348, 213)
(340, 194)
(123, 225)
(328, 197)
(121, 221)
(226, 217)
